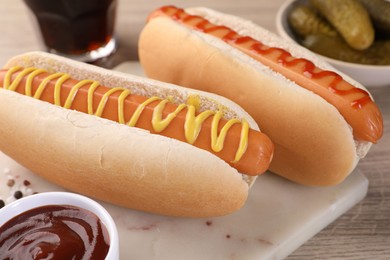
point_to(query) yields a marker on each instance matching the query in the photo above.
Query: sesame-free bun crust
(313, 143)
(123, 165)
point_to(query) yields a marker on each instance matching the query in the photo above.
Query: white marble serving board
(278, 217)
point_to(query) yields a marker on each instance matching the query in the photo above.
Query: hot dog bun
(314, 145)
(123, 165)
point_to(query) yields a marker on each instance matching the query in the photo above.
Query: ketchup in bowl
(54, 232)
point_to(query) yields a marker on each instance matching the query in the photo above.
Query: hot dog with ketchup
(321, 121)
(127, 140)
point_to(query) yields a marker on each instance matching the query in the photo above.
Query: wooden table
(361, 233)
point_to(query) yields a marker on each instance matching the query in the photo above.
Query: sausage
(247, 150)
(354, 104)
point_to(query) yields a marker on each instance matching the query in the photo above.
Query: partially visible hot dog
(247, 150)
(77, 144)
(354, 103)
(274, 81)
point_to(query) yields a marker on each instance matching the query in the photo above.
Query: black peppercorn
(18, 194)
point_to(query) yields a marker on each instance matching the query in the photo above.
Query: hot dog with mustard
(81, 129)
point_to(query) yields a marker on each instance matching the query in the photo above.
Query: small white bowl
(367, 75)
(65, 198)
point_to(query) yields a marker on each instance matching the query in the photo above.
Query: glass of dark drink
(78, 29)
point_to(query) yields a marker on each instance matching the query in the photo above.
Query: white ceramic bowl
(65, 198)
(367, 75)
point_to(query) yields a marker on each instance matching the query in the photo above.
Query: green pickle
(379, 11)
(336, 48)
(350, 19)
(305, 21)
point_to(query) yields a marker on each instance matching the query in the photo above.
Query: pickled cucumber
(379, 11)
(350, 19)
(305, 21)
(337, 48)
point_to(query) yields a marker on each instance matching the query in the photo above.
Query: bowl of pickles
(351, 35)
